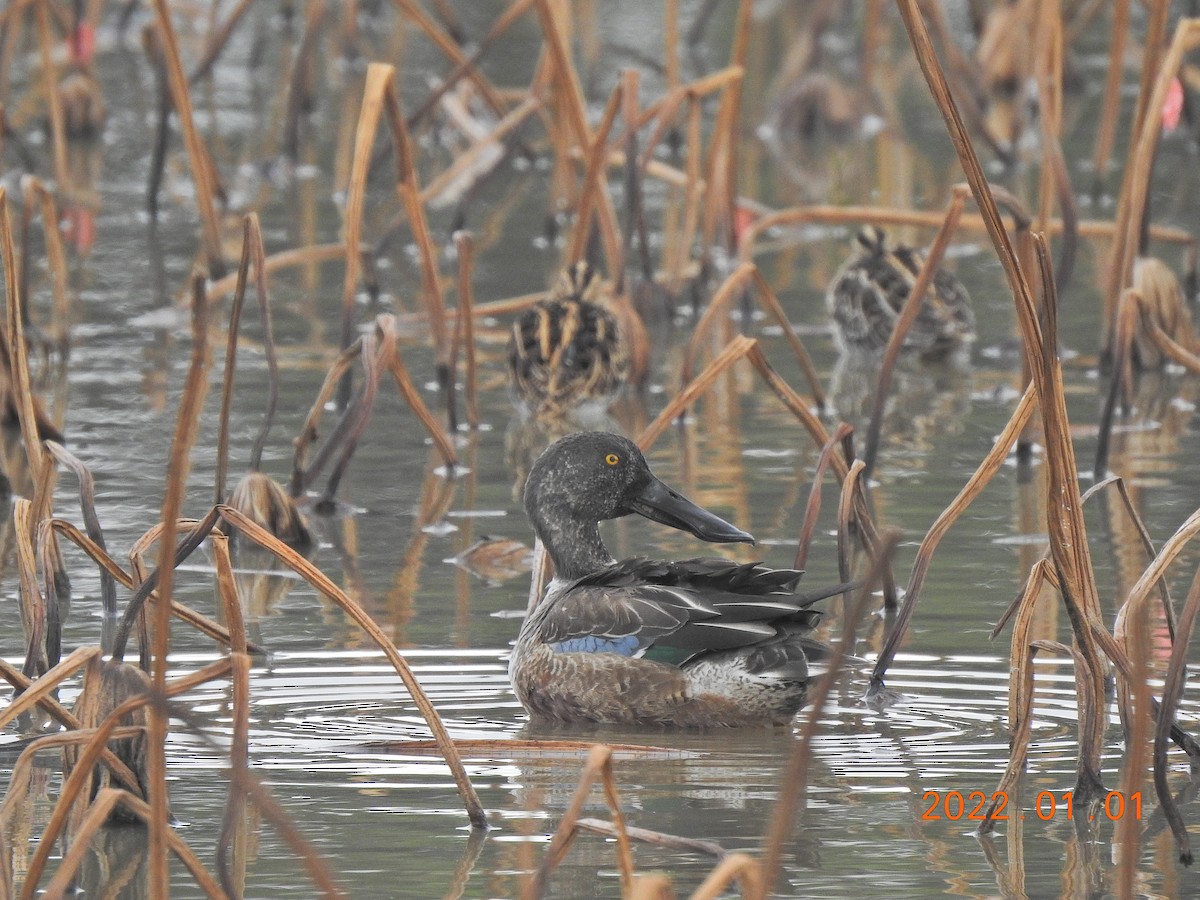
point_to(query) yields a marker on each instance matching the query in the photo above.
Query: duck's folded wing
(630, 619)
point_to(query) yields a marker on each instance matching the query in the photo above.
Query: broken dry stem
(198, 156)
(1135, 189)
(794, 783)
(18, 349)
(736, 867)
(904, 323)
(176, 485)
(598, 766)
(1065, 524)
(595, 187)
(724, 297)
(465, 245)
(408, 188)
(321, 582)
(1172, 692)
(983, 474)
(231, 345)
(235, 802)
(67, 719)
(412, 397)
(56, 258)
(812, 509)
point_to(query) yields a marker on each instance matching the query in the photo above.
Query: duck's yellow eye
(612, 459)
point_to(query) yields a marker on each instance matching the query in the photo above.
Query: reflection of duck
(867, 293)
(527, 436)
(567, 350)
(639, 642)
(926, 402)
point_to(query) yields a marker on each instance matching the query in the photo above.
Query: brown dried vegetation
(113, 741)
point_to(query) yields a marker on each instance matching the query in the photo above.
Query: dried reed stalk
(239, 744)
(851, 485)
(249, 225)
(87, 509)
(408, 189)
(302, 78)
(58, 138)
(47, 683)
(594, 186)
(1171, 694)
(1168, 608)
(67, 719)
(56, 257)
(975, 484)
(664, 110)
(736, 349)
(75, 784)
(1065, 524)
(721, 171)
(217, 41)
(302, 473)
(358, 413)
(96, 748)
(648, 836)
(1131, 209)
(464, 244)
(735, 867)
(1139, 727)
(885, 215)
(467, 163)
(143, 590)
(1055, 177)
(794, 782)
(1106, 133)
(176, 484)
(40, 615)
(408, 390)
(198, 156)
(378, 76)
(1135, 603)
(452, 51)
(694, 191)
(839, 439)
(321, 582)
(904, 323)
(573, 108)
(470, 64)
(16, 349)
(176, 844)
(720, 302)
(284, 259)
(598, 766)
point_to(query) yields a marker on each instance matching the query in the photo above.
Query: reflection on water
(328, 732)
(328, 716)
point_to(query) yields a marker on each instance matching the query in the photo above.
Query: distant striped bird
(867, 293)
(567, 350)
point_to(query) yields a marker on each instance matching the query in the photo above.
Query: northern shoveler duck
(869, 290)
(696, 643)
(567, 350)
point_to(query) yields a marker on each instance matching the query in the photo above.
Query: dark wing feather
(630, 619)
(693, 604)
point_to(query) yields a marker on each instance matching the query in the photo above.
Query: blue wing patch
(622, 646)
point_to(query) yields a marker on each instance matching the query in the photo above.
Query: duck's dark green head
(591, 476)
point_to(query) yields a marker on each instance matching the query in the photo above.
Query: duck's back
(695, 643)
